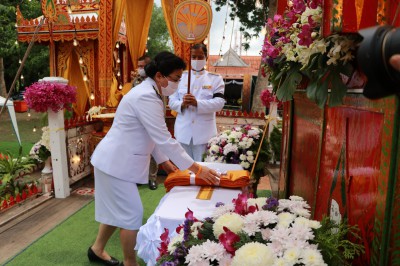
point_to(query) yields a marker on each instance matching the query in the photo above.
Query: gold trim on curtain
(137, 19)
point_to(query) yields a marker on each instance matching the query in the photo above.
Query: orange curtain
(137, 19)
(119, 7)
(75, 77)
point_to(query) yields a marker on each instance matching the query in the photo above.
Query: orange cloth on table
(232, 179)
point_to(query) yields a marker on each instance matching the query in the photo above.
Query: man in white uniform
(195, 123)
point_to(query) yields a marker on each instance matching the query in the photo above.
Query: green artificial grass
(68, 242)
(13, 148)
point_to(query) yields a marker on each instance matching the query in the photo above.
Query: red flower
(163, 249)
(241, 204)
(34, 189)
(228, 240)
(24, 194)
(12, 201)
(4, 205)
(18, 198)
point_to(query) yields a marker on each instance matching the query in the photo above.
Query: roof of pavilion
(82, 24)
(236, 67)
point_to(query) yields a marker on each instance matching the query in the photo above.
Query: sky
(217, 30)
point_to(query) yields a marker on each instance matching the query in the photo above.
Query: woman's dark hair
(201, 46)
(165, 63)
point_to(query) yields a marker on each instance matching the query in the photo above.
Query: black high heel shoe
(94, 258)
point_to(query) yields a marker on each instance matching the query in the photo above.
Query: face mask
(198, 64)
(142, 73)
(170, 89)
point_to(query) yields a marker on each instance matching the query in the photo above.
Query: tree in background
(252, 14)
(159, 39)
(37, 64)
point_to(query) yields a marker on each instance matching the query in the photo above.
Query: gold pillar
(105, 52)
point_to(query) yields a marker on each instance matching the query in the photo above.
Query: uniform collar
(154, 84)
(201, 72)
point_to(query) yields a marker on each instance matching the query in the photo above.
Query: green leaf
(338, 90)
(288, 87)
(322, 94)
(312, 90)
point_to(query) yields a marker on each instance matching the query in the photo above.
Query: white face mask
(142, 73)
(170, 89)
(198, 64)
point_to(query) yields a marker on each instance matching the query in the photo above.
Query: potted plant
(15, 185)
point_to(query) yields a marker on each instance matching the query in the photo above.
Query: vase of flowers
(295, 51)
(50, 95)
(239, 145)
(262, 231)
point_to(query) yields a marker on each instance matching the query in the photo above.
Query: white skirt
(117, 202)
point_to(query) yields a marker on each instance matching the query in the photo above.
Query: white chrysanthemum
(266, 234)
(233, 221)
(249, 153)
(225, 260)
(230, 148)
(281, 262)
(245, 165)
(250, 159)
(312, 257)
(296, 198)
(285, 219)
(253, 254)
(221, 210)
(195, 228)
(261, 201)
(213, 251)
(242, 157)
(292, 255)
(175, 240)
(314, 224)
(214, 148)
(254, 133)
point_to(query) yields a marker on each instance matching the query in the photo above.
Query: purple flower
(219, 204)
(271, 204)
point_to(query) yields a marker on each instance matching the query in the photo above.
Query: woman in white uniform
(121, 160)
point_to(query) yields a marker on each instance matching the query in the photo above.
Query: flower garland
(262, 231)
(238, 146)
(41, 96)
(295, 51)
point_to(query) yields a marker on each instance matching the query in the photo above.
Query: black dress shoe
(94, 258)
(153, 184)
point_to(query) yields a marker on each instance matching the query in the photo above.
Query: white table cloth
(170, 212)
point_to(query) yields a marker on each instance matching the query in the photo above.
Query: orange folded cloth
(232, 179)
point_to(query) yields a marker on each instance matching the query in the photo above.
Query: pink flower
(305, 35)
(41, 96)
(228, 240)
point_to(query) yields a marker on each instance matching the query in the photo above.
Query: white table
(170, 212)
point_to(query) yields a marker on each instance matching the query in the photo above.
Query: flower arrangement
(40, 151)
(238, 145)
(295, 52)
(41, 96)
(262, 231)
(268, 97)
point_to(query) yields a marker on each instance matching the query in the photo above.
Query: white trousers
(195, 151)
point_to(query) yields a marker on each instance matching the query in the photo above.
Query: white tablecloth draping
(170, 212)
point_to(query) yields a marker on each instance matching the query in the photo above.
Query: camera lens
(378, 45)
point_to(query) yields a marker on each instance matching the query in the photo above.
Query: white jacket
(198, 122)
(138, 130)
